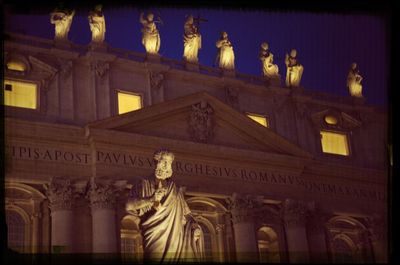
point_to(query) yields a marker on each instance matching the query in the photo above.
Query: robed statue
(191, 40)
(294, 70)
(226, 56)
(354, 81)
(169, 231)
(97, 24)
(270, 69)
(150, 35)
(62, 19)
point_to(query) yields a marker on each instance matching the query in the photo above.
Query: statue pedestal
(62, 44)
(98, 47)
(275, 81)
(359, 101)
(192, 66)
(229, 73)
(153, 58)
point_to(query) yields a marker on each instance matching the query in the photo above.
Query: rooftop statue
(354, 81)
(294, 69)
(270, 70)
(62, 19)
(170, 233)
(191, 39)
(226, 56)
(150, 35)
(97, 24)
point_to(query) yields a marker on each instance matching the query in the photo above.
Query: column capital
(102, 194)
(316, 220)
(241, 208)
(59, 193)
(220, 228)
(377, 227)
(294, 212)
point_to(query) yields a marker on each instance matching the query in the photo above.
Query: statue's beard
(163, 174)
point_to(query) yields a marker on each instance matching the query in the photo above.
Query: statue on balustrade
(170, 233)
(97, 24)
(150, 35)
(270, 70)
(354, 81)
(62, 19)
(226, 56)
(191, 39)
(294, 69)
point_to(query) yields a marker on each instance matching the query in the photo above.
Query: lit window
(16, 66)
(259, 118)
(128, 102)
(329, 119)
(334, 143)
(20, 94)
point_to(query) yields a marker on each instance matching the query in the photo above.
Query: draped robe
(167, 233)
(191, 44)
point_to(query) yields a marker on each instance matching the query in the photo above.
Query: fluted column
(220, 236)
(378, 234)
(35, 218)
(316, 237)
(102, 203)
(241, 209)
(294, 219)
(60, 196)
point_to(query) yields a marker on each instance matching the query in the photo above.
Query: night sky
(326, 42)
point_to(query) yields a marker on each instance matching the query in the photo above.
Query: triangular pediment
(201, 118)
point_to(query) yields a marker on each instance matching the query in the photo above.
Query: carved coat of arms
(201, 122)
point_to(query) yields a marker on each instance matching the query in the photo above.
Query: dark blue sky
(327, 43)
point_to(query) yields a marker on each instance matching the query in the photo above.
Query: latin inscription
(182, 167)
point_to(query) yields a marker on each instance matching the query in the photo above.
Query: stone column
(378, 235)
(102, 202)
(101, 87)
(157, 87)
(220, 236)
(316, 237)
(296, 236)
(241, 209)
(35, 218)
(60, 196)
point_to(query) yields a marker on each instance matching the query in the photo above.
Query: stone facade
(261, 194)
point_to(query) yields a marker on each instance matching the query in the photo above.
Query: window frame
(267, 119)
(116, 108)
(348, 141)
(38, 95)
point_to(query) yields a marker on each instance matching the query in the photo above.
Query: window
(128, 245)
(16, 231)
(331, 120)
(16, 66)
(20, 94)
(207, 242)
(268, 246)
(128, 102)
(258, 118)
(342, 252)
(131, 240)
(334, 143)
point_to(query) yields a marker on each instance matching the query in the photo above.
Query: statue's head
(224, 35)
(353, 66)
(164, 159)
(293, 53)
(150, 16)
(98, 8)
(190, 19)
(264, 45)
